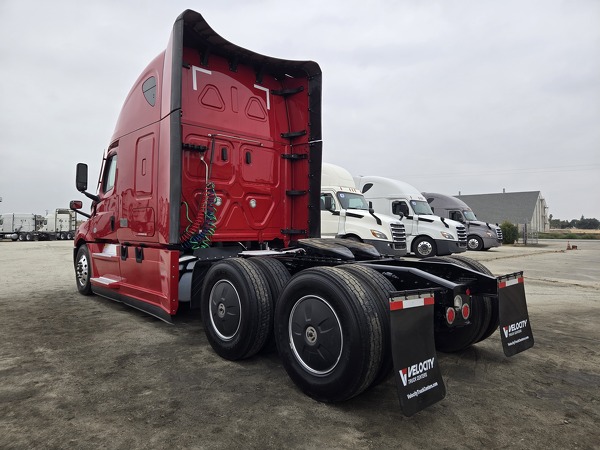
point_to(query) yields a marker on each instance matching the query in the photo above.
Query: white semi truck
(18, 226)
(426, 234)
(346, 214)
(480, 235)
(59, 224)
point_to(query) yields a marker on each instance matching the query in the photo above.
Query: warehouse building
(519, 208)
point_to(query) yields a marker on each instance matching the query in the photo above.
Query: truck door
(330, 215)
(105, 220)
(103, 226)
(400, 206)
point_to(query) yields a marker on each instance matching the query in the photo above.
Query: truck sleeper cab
(209, 199)
(426, 234)
(480, 235)
(346, 214)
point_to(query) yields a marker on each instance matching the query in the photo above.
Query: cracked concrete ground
(85, 372)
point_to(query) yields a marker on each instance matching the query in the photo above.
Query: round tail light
(450, 315)
(466, 311)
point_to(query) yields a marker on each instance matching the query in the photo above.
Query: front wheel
(475, 243)
(83, 271)
(329, 334)
(424, 247)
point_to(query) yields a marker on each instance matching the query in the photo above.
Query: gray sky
(452, 96)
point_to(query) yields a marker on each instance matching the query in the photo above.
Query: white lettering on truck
(514, 328)
(416, 371)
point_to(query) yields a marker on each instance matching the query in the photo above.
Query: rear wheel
(277, 277)
(236, 308)
(424, 247)
(494, 317)
(453, 339)
(329, 334)
(381, 288)
(83, 271)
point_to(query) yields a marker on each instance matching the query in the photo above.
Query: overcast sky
(451, 96)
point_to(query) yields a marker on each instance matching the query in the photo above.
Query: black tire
(474, 243)
(21, 237)
(495, 313)
(381, 288)
(83, 271)
(424, 247)
(454, 339)
(70, 236)
(275, 273)
(473, 264)
(277, 277)
(236, 308)
(329, 334)
(28, 237)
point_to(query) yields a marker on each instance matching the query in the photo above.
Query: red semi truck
(208, 198)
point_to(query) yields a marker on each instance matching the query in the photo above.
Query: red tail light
(450, 315)
(466, 311)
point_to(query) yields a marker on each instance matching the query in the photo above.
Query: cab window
(327, 202)
(110, 173)
(456, 215)
(400, 207)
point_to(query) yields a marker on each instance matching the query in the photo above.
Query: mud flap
(515, 328)
(416, 367)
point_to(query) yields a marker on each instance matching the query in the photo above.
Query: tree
(510, 232)
(588, 224)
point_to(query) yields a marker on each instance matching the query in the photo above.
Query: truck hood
(479, 223)
(362, 214)
(452, 224)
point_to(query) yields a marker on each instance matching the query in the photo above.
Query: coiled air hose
(198, 234)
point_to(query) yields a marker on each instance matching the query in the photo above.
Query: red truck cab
(216, 147)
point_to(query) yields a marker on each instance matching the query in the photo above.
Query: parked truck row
(240, 221)
(59, 224)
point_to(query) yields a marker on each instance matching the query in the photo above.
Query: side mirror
(81, 177)
(76, 206)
